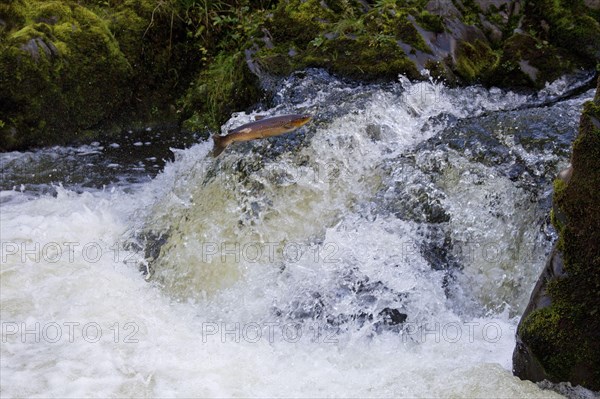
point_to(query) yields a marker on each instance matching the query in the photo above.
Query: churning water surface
(385, 249)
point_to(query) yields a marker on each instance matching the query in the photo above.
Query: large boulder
(61, 71)
(558, 338)
(71, 69)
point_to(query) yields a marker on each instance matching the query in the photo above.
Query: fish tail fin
(220, 145)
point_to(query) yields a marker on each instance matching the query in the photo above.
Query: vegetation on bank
(564, 337)
(70, 69)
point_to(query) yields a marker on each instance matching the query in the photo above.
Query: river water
(386, 249)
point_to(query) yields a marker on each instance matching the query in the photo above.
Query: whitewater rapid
(364, 256)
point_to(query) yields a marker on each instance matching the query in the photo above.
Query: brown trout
(261, 128)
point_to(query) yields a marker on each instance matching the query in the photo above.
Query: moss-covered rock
(60, 73)
(551, 38)
(475, 61)
(568, 24)
(362, 58)
(154, 38)
(70, 70)
(499, 43)
(559, 340)
(355, 42)
(531, 62)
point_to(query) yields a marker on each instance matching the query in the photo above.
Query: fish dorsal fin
(259, 117)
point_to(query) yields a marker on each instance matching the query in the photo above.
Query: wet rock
(392, 317)
(352, 291)
(123, 54)
(593, 4)
(33, 47)
(526, 362)
(528, 70)
(566, 174)
(443, 8)
(485, 5)
(558, 336)
(374, 131)
(420, 206)
(493, 32)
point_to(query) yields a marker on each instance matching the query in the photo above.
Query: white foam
(175, 340)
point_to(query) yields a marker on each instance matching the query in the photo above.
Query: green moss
(559, 188)
(579, 200)
(347, 42)
(565, 22)
(564, 336)
(555, 37)
(50, 12)
(349, 27)
(470, 11)
(475, 61)
(440, 71)
(555, 222)
(299, 22)
(431, 22)
(363, 58)
(13, 15)
(277, 61)
(226, 86)
(547, 61)
(66, 71)
(556, 216)
(82, 66)
(580, 29)
(144, 53)
(394, 21)
(545, 334)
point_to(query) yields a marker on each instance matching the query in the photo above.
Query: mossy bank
(71, 69)
(559, 335)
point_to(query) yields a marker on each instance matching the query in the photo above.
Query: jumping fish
(261, 128)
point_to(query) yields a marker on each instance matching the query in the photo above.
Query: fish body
(264, 127)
